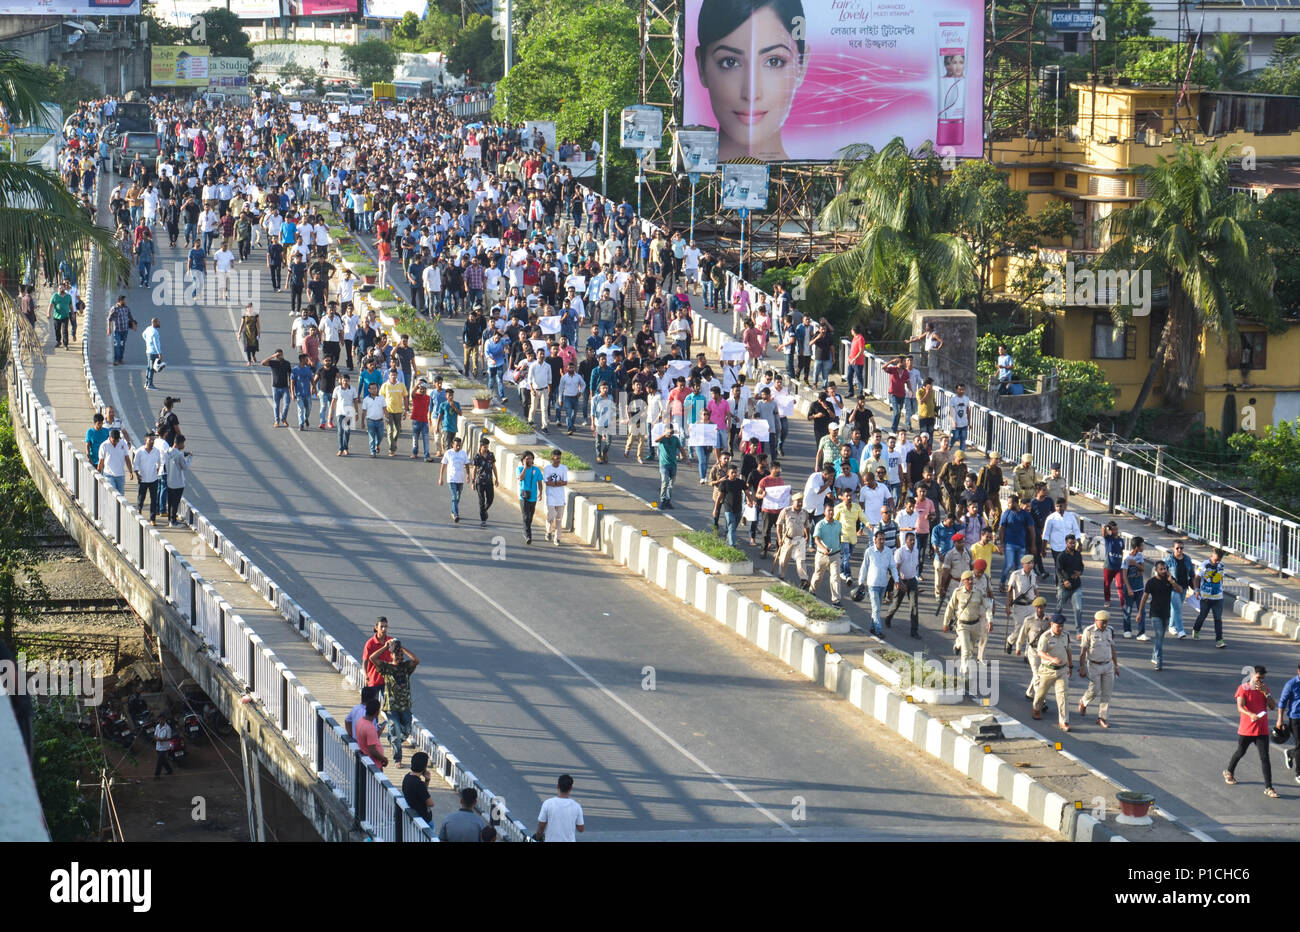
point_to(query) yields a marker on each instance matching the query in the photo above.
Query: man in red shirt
(898, 377)
(769, 504)
(420, 419)
(1253, 702)
(376, 649)
(366, 733)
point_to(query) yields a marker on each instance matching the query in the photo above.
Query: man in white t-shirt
(224, 261)
(556, 475)
(561, 817)
(538, 380)
(115, 460)
(146, 460)
(454, 462)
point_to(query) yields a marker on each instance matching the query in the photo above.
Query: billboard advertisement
(539, 135)
(803, 79)
(225, 71)
(254, 9)
(320, 7)
(395, 9)
(77, 8)
(697, 150)
(179, 66)
(642, 127)
(744, 186)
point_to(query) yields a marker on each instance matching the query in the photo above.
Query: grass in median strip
(511, 424)
(711, 545)
(574, 462)
(913, 671)
(810, 605)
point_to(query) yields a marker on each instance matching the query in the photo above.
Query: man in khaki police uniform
(956, 562)
(984, 583)
(969, 609)
(1022, 589)
(1054, 669)
(1100, 664)
(1030, 630)
(1026, 479)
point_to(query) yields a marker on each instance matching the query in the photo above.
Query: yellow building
(1095, 167)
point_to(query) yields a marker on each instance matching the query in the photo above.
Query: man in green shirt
(670, 445)
(60, 312)
(826, 542)
(397, 693)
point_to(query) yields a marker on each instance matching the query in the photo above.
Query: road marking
(505, 613)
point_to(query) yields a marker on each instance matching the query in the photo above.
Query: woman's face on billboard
(751, 75)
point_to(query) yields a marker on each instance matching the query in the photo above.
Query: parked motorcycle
(115, 726)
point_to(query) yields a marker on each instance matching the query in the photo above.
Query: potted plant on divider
(483, 401)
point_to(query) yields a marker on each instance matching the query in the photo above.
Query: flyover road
(1173, 731)
(536, 660)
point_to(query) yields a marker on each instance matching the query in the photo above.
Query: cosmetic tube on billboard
(952, 36)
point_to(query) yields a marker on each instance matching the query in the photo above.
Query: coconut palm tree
(1228, 56)
(1208, 245)
(906, 256)
(41, 222)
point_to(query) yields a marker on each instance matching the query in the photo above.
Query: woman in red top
(1253, 703)
(384, 251)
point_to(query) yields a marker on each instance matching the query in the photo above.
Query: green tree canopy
(373, 60)
(1282, 76)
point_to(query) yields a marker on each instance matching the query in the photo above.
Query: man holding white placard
(773, 496)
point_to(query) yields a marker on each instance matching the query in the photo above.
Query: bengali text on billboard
(801, 81)
(395, 9)
(179, 66)
(69, 8)
(254, 9)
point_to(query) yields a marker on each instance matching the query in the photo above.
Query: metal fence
(323, 745)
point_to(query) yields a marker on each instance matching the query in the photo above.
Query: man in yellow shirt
(396, 404)
(851, 518)
(985, 549)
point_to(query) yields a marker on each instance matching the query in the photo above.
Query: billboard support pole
(604, 151)
(695, 179)
(744, 215)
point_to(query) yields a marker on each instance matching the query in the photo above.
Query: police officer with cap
(1030, 630)
(1100, 664)
(968, 610)
(1054, 669)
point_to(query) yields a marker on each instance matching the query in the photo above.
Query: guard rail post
(359, 789)
(284, 702)
(397, 819)
(1167, 507)
(1223, 538)
(1116, 478)
(252, 666)
(320, 740)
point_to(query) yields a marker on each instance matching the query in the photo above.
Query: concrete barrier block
(859, 688)
(1053, 808)
(648, 559)
(684, 582)
(725, 605)
(745, 622)
(706, 592)
(789, 650)
(889, 704)
(835, 676)
(996, 775)
(628, 538)
(670, 562)
(1252, 612)
(661, 578)
(812, 662)
(933, 742)
(768, 632)
(963, 752)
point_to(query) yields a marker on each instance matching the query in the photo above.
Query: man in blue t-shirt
(300, 379)
(496, 349)
(530, 484)
(94, 437)
(1015, 533)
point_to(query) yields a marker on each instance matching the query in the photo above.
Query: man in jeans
(898, 377)
(670, 445)
(119, 325)
(397, 695)
(1181, 569)
(1209, 586)
(571, 389)
(1069, 579)
(396, 403)
(604, 410)
(1161, 591)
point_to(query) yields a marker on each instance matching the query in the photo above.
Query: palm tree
(907, 256)
(41, 222)
(1210, 248)
(1228, 56)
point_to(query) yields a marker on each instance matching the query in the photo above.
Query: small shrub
(710, 544)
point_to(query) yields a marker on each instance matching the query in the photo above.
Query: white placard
(335, 139)
(472, 153)
(751, 514)
(334, 116)
(266, 95)
(703, 435)
(295, 106)
(757, 429)
(354, 110)
(608, 351)
(299, 122)
(538, 345)
(404, 117)
(785, 405)
(657, 430)
(390, 114)
(679, 369)
(732, 351)
(370, 128)
(777, 496)
(549, 324)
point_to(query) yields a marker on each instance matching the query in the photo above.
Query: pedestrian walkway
(60, 382)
